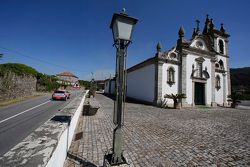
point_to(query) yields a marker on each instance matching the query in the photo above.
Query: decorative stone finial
(194, 33)
(158, 47)
(181, 32)
(206, 27)
(222, 28)
(197, 26)
(207, 17)
(211, 24)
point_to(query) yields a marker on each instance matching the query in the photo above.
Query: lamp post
(122, 27)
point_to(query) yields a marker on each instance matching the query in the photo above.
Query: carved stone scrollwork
(217, 83)
(205, 75)
(171, 83)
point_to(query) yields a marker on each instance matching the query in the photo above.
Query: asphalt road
(19, 120)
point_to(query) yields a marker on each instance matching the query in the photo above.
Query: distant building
(109, 86)
(198, 67)
(67, 79)
(100, 84)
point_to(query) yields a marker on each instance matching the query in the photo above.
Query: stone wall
(13, 86)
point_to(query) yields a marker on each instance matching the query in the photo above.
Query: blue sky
(62, 35)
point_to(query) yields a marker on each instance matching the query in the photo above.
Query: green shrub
(86, 84)
(48, 82)
(234, 98)
(176, 98)
(19, 69)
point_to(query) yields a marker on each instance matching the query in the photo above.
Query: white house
(109, 86)
(67, 78)
(198, 67)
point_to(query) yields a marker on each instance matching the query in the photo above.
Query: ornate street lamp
(122, 27)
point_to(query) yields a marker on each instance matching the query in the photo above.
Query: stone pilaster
(228, 78)
(215, 44)
(158, 82)
(224, 90)
(193, 87)
(228, 70)
(213, 103)
(183, 79)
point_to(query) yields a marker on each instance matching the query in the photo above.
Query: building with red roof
(67, 78)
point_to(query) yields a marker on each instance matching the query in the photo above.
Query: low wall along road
(47, 145)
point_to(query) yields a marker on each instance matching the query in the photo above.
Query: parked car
(60, 95)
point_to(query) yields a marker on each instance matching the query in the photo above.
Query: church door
(199, 93)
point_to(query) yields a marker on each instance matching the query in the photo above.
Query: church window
(199, 44)
(221, 46)
(217, 82)
(217, 65)
(221, 65)
(170, 76)
(173, 56)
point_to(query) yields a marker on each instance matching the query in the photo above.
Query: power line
(40, 60)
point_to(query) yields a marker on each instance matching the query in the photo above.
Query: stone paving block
(155, 137)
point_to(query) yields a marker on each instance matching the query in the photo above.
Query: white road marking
(23, 112)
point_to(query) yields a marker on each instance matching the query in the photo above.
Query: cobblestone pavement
(156, 137)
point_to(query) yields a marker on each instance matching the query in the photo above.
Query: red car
(60, 95)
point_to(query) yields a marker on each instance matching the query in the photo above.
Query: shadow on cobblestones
(156, 137)
(79, 160)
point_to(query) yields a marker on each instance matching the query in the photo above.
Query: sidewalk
(155, 137)
(95, 140)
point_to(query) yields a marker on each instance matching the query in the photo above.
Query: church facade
(197, 67)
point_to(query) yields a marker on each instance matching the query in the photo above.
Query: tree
(86, 84)
(92, 89)
(176, 98)
(234, 98)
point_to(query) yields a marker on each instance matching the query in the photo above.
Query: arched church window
(221, 46)
(217, 82)
(170, 76)
(221, 65)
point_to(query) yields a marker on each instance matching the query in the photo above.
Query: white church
(197, 67)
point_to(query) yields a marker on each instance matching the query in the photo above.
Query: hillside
(43, 82)
(240, 80)
(19, 69)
